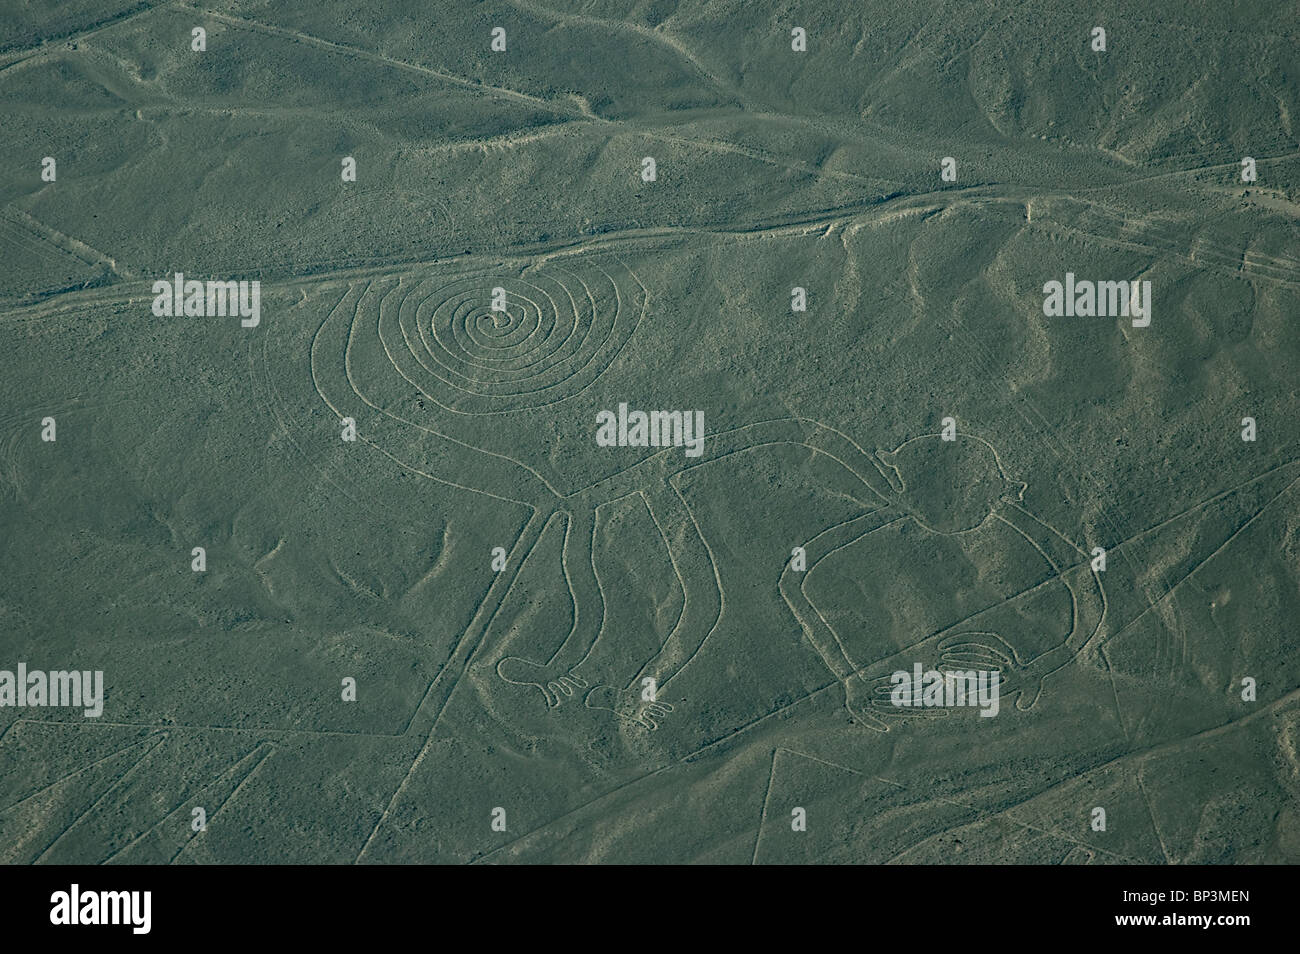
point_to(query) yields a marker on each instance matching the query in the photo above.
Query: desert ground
(436, 620)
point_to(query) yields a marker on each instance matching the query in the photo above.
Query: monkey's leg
(556, 677)
(820, 634)
(1072, 569)
(701, 588)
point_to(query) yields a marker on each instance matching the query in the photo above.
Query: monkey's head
(950, 486)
